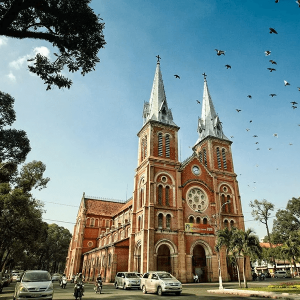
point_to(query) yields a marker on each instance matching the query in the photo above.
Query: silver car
(35, 284)
(127, 280)
(282, 274)
(160, 282)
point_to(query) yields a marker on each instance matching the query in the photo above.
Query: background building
(171, 221)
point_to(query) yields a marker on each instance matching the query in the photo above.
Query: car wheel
(116, 285)
(159, 291)
(177, 293)
(144, 290)
(124, 286)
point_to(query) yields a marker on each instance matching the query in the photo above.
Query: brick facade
(171, 220)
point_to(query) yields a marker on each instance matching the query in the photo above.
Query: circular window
(225, 189)
(196, 170)
(197, 199)
(164, 179)
(90, 244)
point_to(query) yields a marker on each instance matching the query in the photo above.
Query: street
(190, 291)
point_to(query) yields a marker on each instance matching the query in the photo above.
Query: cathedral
(170, 223)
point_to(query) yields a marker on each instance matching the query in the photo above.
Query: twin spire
(157, 109)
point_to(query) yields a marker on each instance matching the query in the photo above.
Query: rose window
(197, 199)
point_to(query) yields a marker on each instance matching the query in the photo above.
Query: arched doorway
(164, 259)
(137, 257)
(199, 266)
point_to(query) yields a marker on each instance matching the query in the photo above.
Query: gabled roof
(102, 207)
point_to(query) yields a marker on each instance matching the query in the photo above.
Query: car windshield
(131, 275)
(29, 277)
(164, 275)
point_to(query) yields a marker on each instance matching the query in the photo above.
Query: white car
(127, 280)
(160, 282)
(35, 284)
(282, 274)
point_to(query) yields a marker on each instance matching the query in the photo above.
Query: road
(190, 291)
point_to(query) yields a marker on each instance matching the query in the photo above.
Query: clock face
(196, 170)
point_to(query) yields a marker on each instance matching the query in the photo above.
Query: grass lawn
(287, 287)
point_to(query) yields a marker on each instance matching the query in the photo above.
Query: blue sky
(87, 136)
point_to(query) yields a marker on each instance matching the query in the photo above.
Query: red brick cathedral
(176, 208)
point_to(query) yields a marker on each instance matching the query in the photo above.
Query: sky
(87, 135)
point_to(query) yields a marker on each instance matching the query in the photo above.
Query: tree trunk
(244, 271)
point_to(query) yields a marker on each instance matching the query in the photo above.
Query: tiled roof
(102, 207)
(125, 206)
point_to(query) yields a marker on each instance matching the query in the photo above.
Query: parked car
(6, 279)
(127, 280)
(160, 282)
(139, 274)
(35, 284)
(56, 277)
(282, 274)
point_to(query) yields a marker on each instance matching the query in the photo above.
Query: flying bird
(294, 106)
(294, 103)
(247, 129)
(272, 30)
(298, 89)
(219, 52)
(285, 83)
(275, 135)
(238, 110)
(257, 143)
(272, 95)
(250, 121)
(249, 96)
(298, 2)
(267, 52)
(271, 69)
(255, 135)
(198, 102)
(228, 66)
(276, 1)
(270, 148)
(257, 149)
(290, 144)
(273, 62)
(233, 136)
(177, 76)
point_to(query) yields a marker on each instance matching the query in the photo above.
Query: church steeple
(209, 124)
(157, 107)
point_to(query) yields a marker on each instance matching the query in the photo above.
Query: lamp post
(219, 228)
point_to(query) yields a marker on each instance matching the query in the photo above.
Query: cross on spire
(158, 58)
(204, 75)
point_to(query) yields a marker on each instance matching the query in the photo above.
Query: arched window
(204, 221)
(226, 223)
(198, 220)
(200, 156)
(204, 157)
(160, 220)
(141, 198)
(231, 223)
(222, 202)
(224, 158)
(167, 145)
(191, 220)
(229, 204)
(168, 221)
(160, 194)
(167, 194)
(160, 144)
(219, 158)
(92, 222)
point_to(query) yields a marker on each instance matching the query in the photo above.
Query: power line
(59, 221)
(60, 203)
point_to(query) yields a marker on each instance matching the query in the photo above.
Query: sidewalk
(249, 293)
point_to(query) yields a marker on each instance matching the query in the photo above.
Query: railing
(107, 199)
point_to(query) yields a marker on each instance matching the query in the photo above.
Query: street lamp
(219, 228)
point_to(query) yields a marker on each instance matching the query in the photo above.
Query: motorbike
(78, 291)
(63, 282)
(98, 287)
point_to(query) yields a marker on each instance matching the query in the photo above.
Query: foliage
(14, 144)
(69, 25)
(21, 222)
(261, 211)
(287, 221)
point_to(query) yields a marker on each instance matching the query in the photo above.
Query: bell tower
(155, 178)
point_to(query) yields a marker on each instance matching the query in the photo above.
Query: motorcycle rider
(62, 278)
(78, 279)
(98, 280)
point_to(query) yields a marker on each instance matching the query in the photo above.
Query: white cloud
(11, 76)
(3, 41)
(18, 63)
(42, 50)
